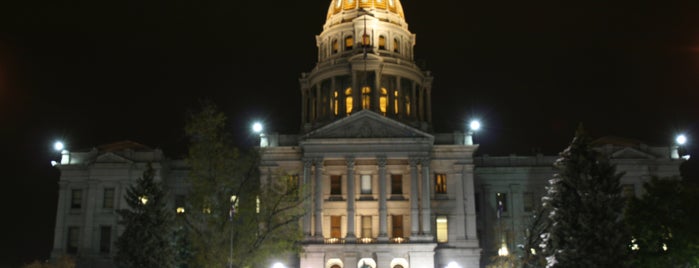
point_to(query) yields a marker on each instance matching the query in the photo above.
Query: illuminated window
(501, 201)
(442, 229)
(397, 184)
(528, 201)
(383, 100)
(440, 183)
(366, 227)
(382, 42)
(76, 198)
(366, 184)
(348, 100)
(336, 226)
(335, 185)
(366, 40)
(108, 198)
(407, 104)
(349, 43)
(396, 45)
(397, 225)
(396, 106)
(105, 239)
(73, 240)
(335, 103)
(335, 46)
(292, 184)
(366, 97)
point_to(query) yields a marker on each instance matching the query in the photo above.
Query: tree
(663, 224)
(537, 225)
(234, 220)
(147, 237)
(63, 261)
(585, 210)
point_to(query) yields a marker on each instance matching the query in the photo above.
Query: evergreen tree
(585, 210)
(147, 237)
(538, 224)
(663, 223)
(233, 219)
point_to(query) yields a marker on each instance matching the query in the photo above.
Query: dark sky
(95, 72)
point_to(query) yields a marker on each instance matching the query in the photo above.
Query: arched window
(348, 100)
(382, 42)
(398, 266)
(407, 104)
(349, 43)
(396, 45)
(335, 266)
(396, 106)
(335, 46)
(366, 97)
(383, 100)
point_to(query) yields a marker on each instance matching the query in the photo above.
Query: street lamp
(257, 128)
(473, 126)
(680, 140)
(59, 146)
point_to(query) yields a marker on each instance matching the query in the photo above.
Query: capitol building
(386, 189)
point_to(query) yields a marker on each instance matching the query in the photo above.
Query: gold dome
(338, 6)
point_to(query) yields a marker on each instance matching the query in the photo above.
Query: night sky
(96, 72)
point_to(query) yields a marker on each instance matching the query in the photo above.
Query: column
(383, 216)
(426, 206)
(459, 211)
(486, 209)
(308, 206)
(319, 199)
(89, 201)
(414, 194)
(351, 237)
(470, 201)
(516, 211)
(63, 209)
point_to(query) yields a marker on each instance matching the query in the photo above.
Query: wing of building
(386, 190)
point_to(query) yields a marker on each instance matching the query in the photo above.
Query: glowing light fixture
(144, 199)
(453, 264)
(58, 146)
(475, 125)
(681, 139)
(278, 265)
(257, 127)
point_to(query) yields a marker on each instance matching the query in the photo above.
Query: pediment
(631, 153)
(111, 158)
(367, 124)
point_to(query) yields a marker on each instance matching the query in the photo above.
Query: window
(336, 226)
(396, 45)
(628, 191)
(366, 184)
(366, 227)
(73, 240)
(335, 266)
(442, 229)
(396, 184)
(396, 106)
(108, 198)
(440, 183)
(292, 184)
(349, 43)
(348, 100)
(76, 198)
(366, 97)
(335, 47)
(382, 42)
(501, 203)
(105, 239)
(397, 225)
(383, 101)
(528, 201)
(335, 185)
(336, 103)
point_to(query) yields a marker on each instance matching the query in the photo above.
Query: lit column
(307, 165)
(319, 199)
(414, 194)
(350, 200)
(383, 226)
(60, 233)
(426, 206)
(470, 202)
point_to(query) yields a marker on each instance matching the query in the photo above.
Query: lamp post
(59, 146)
(680, 140)
(258, 128)
(473, 126)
